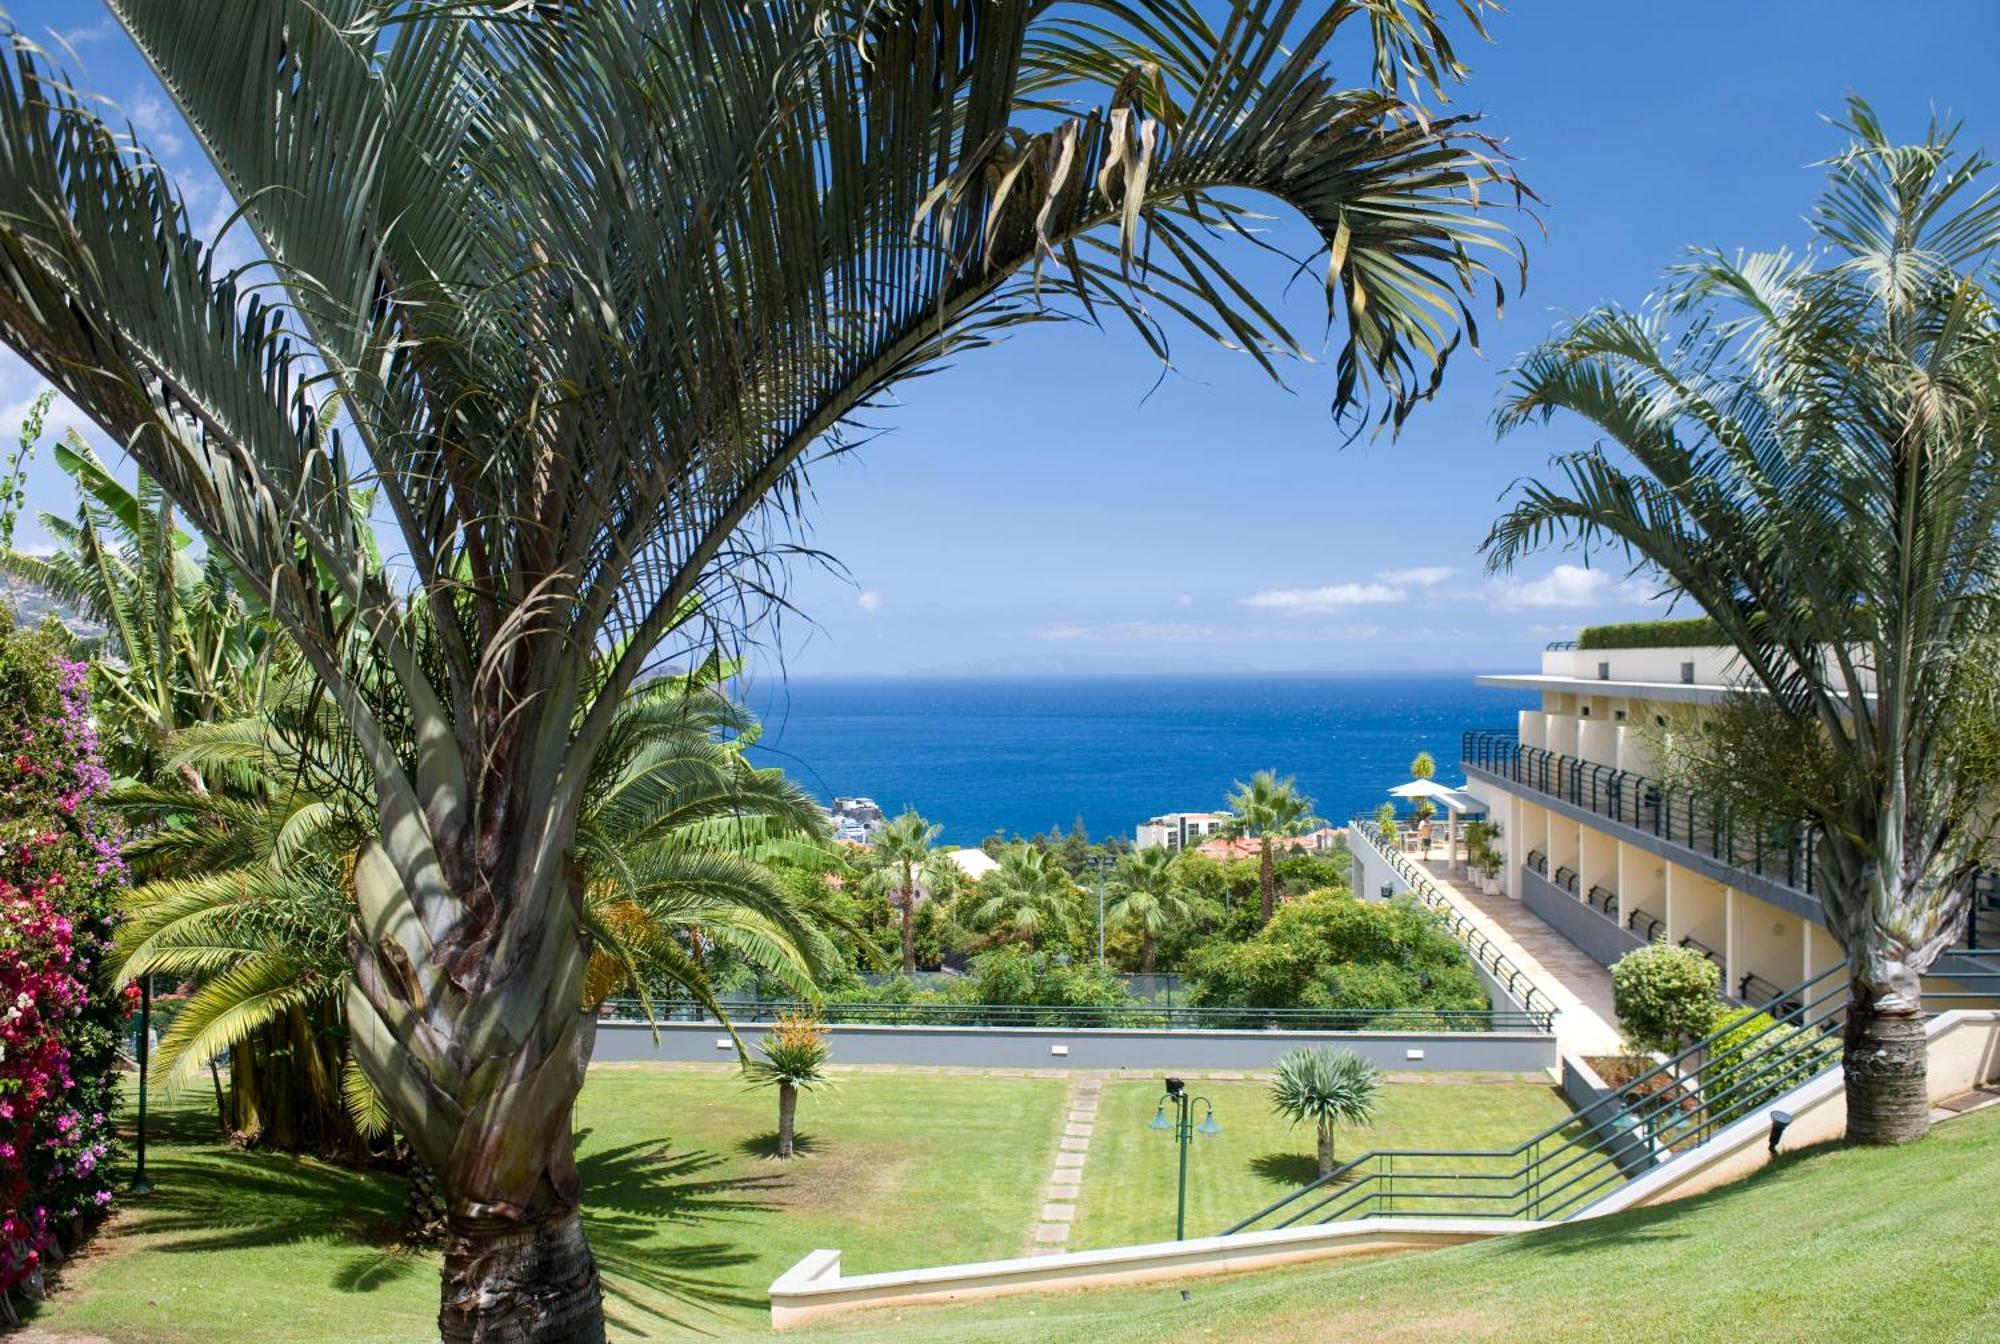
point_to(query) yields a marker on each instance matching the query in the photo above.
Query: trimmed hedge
(1699, 632)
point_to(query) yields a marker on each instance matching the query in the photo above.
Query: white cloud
(1184, 600)
(83, 37)
(159, 126)
(1563, 586)
(1423, 576)
(1332, 597)
(870, 600)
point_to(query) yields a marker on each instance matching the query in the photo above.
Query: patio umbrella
(1454, 801)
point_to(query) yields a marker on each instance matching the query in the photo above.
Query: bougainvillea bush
(60, 1025)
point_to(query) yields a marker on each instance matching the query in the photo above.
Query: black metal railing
(1559, 645)
(1604, 901)
(1779, 852)
(1982, 917)
(1538, 861)
(1131, 1017)
(1558, 1172)
(1566, 879)
(1497, 963)
(1758, 992)
(1696, 945)
(1646, 924)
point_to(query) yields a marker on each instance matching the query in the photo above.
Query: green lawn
(1832, 1246)
(1128, 1193)
(689, 1218)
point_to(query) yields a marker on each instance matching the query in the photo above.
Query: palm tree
(1268, 808)
(183, 647)
(1146, 895)
(793, 1057)
(249, 891)
(1028, 895)
(900, 854)
(581, 291)
(1327, 1087)
(1815, 445)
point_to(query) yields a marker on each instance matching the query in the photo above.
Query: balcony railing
(1481, 948)
(1780, 852)
(1603, 900)
(1566, 879)
(1538, 861)
(1647, 925)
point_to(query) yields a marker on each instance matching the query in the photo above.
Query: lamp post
(1184, 1129)
(140, 1185)
(1099, 865)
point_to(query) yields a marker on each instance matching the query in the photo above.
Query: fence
(1127, 1017)
(1564, 1168)
(1496, 963)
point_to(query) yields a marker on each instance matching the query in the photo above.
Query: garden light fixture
(1780, 1121)
(1184, 1129)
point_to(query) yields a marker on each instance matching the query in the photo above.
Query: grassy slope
(689, 1218)
(1833, 1245)
(1128, 1193)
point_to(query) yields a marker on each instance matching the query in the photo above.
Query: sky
(1056, 506)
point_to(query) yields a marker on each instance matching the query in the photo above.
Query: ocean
(1027, 754)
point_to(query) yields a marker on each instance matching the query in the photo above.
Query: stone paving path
(1051, 1233)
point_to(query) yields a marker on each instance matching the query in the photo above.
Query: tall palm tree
(582, 291)
(900, 854)
(1147, 895)
(248, 891)
(1028, 896)
(1269, 808)
(1817, 450)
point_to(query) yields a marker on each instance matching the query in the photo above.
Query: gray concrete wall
(1595, 1104)
(1604, 940)
(1096, 1047)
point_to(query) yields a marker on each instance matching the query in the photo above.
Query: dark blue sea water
(1024, 755)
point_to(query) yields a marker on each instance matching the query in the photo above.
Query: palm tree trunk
(1146, 953)
(520, 1281)
(909, 904)
(1267, 878)
(1885, 1061)
(1325, 1149)
(788, 1110)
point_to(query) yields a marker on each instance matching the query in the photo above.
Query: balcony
(1779, 852)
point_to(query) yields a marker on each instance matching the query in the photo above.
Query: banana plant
(583, 292)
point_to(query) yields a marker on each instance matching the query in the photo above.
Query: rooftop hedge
(1695, 633)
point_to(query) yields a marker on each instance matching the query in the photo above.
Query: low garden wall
(1095, 1047)
(1605, 940)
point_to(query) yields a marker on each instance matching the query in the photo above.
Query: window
(1687, 674)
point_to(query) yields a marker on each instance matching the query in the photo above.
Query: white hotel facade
(1599, 850)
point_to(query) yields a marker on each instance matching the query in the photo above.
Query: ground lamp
(1780, 1121)
(1184, 1129)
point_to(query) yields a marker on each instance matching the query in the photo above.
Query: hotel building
(1601, 850)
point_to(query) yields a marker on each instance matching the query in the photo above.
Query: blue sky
(1045, 508)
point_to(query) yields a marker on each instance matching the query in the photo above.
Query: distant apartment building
(856, 820)
(1610, 856)
(1180, 830)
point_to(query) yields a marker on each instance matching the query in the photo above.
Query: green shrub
(1665, 996)
(1756, 1060)
(1328, 950)
(1698, 632)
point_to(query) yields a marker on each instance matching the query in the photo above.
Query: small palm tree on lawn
(1147, 895)
(1269, 807)
(901, 852)
(1328, 1087)
(794, 1057)
(1028, 893)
